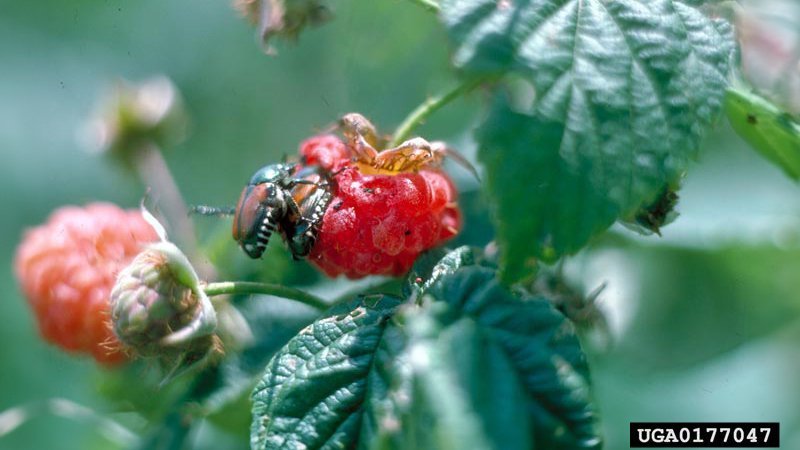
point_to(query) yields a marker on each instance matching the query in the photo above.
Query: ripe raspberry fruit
(67, 267)
(379, 224)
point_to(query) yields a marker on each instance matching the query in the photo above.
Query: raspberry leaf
(481, 367)
(539, 345)
(435, 264)
(312, 391)
(624, 92)
(769, 130)
(558, 212)
(451, 388)
(475, 366)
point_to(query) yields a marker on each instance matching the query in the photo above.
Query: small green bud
(158, 308)
(135, 116)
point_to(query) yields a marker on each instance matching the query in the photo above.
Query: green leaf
(768, 129)
(481, 368)
(624, 92)
(556, 213)
(478, 367)
(543, 349)
(453, 389)
(311, 393)
(435, 264)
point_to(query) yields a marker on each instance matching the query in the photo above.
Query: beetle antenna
(205, 210)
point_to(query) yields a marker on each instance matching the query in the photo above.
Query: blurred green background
(705, 320)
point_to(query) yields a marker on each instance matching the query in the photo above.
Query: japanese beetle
(281, 197)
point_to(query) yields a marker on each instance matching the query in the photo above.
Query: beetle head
(279, 174)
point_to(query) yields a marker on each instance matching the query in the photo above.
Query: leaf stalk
(250, 287)
(428, 108)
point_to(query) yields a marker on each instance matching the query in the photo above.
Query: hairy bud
(159, 310)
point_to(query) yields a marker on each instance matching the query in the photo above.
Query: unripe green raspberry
(158, 309)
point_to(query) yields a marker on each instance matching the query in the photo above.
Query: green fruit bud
(136, 116)
(159, 310)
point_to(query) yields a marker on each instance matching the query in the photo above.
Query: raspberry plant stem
(428, 107)
(250, 287)
(154, 172)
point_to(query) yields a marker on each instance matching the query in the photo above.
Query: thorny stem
(430, 106)
(250, 287)
(430, 5)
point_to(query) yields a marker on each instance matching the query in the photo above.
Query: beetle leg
(303, 239)
(362, 151)
(361, 137)
(295, 182)
(442, 149)
(354, 125)
(306, 227)
(417, 154)
(337, 172)
(292, 210)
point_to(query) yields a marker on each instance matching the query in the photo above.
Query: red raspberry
(67, 267)
(379, 224)
(324, 150)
